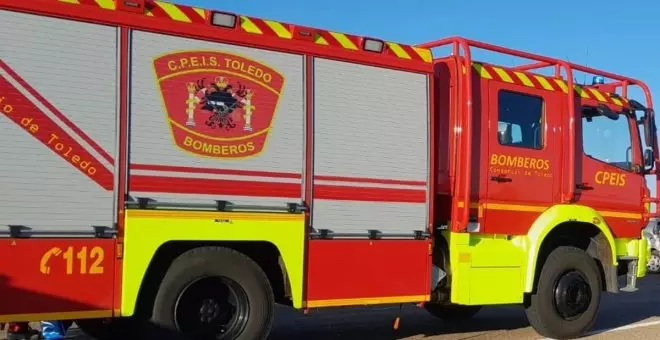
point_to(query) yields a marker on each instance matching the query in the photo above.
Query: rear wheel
(452, 312)
(567, 296)
(215, 293)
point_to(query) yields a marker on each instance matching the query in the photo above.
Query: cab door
(522, 156)
(610, 179)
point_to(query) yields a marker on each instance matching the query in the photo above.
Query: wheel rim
(212, 308)
(572, 295)
(654, 263)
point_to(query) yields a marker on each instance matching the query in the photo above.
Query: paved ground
(633, 316)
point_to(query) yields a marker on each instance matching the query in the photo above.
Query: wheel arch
(266, 254)
(576, 225)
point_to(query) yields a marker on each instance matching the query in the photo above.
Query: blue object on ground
(54, 330)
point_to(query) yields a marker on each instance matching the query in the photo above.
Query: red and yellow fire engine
(172, 169)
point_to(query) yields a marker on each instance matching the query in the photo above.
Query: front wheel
(567, 296)
(215, 293)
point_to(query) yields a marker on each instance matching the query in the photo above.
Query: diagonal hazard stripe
(562, 85)
(524, 79)
(172, 11)
(580, 90)
(201, 12)
(151, 9)
(483, 72)
(423, 53)
(106, 4)
(503, 74)
(26, 115)
(344, 40)
(249, 26)
(544, 83)
(192, 15)
(279, 29)
(599, 96)
(398, 50)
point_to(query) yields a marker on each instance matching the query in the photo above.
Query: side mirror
(648, 158)
(649, 128)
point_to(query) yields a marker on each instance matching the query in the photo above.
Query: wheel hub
(209, 310)
(212, 308)
(572, 295)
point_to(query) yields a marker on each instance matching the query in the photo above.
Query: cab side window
(607, 140)
(520, 120)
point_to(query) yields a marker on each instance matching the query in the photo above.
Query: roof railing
(461, 207)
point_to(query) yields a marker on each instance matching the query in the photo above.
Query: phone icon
(44, 267)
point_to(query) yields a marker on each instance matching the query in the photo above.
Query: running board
(631, 277)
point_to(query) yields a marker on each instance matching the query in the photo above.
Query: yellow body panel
(148, 230)
(499, 269)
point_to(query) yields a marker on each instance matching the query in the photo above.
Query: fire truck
(167, 169)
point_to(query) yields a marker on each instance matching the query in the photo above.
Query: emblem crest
(218, 104)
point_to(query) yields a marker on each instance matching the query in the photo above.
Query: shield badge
(218, 104)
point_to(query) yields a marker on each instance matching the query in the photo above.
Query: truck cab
(533, 174)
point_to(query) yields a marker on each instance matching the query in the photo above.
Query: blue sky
(620, 37)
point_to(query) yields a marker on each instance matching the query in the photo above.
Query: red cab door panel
(522, 156)
(610, 181)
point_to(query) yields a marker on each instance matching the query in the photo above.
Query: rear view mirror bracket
(607, 112)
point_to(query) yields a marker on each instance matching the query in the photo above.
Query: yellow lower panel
(147, 230)
(486, 269)
(495, 285)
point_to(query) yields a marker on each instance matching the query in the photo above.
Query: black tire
(176, 307)
(452, 312)
(552, 316)
(108, 329)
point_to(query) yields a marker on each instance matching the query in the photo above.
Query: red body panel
(34, 278)
(363, 269)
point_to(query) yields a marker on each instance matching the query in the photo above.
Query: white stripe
(56, 120)
(215, 176)
(627, 327)
(247, 176)
(618, 329)
(357, 184)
